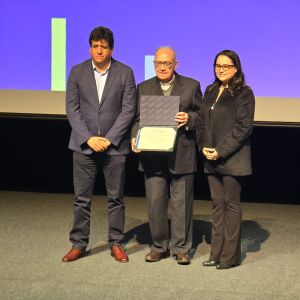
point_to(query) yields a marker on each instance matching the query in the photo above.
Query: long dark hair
(239, 78)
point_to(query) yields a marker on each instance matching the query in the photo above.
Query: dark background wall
(34, 156)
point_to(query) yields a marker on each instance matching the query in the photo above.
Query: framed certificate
(158, 129)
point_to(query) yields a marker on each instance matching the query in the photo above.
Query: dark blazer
(112, 118)
(183, 158)
(226, 126)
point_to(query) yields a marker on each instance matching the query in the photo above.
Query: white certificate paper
(156, 138)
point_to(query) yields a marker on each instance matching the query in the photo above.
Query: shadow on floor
(253, 236)
(139, 237)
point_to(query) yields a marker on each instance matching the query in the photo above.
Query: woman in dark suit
(224, 130)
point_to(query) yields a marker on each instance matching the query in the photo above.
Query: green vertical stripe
(58, 54)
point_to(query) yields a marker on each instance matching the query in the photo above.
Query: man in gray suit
(101, 105)
(171, 174)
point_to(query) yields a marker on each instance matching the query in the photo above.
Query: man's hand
(210, 153)
(182, 118)
(133, 146)
(98, 144)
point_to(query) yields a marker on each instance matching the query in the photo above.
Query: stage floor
(34, 231)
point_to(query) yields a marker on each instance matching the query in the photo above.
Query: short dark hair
(239, 78)
(102, 33)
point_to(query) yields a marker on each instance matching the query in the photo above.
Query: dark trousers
(180, 189)
(226, 218)
(85, 169)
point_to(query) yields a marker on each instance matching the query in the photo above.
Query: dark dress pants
(85, 169)
(226, 218)
(180, 189)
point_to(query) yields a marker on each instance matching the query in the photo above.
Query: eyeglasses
(224, 67)
(166, 64)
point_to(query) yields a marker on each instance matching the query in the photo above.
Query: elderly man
(171, 174)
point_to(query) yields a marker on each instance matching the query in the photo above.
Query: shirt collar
(94, 68)
(168, 83)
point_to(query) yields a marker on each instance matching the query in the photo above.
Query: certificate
(156, 138)
(158, 129)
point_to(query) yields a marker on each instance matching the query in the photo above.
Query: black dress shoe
(223, 266)
(210, 263)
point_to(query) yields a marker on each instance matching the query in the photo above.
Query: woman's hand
(210, 153)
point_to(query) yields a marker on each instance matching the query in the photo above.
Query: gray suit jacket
(112, 118)
(183, 158)
(227, 127)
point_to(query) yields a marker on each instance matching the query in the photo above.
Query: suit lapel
(157, 88)
(223, 95)
(214, 95)
(177, 88)
(112, 72)
(92, 82)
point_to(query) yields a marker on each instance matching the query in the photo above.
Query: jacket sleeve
(124, 120)
(136, 121)
(194, 112)
(73, 107)
(235, 138)
(201, 130)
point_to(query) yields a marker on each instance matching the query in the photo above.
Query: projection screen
(42, 40)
